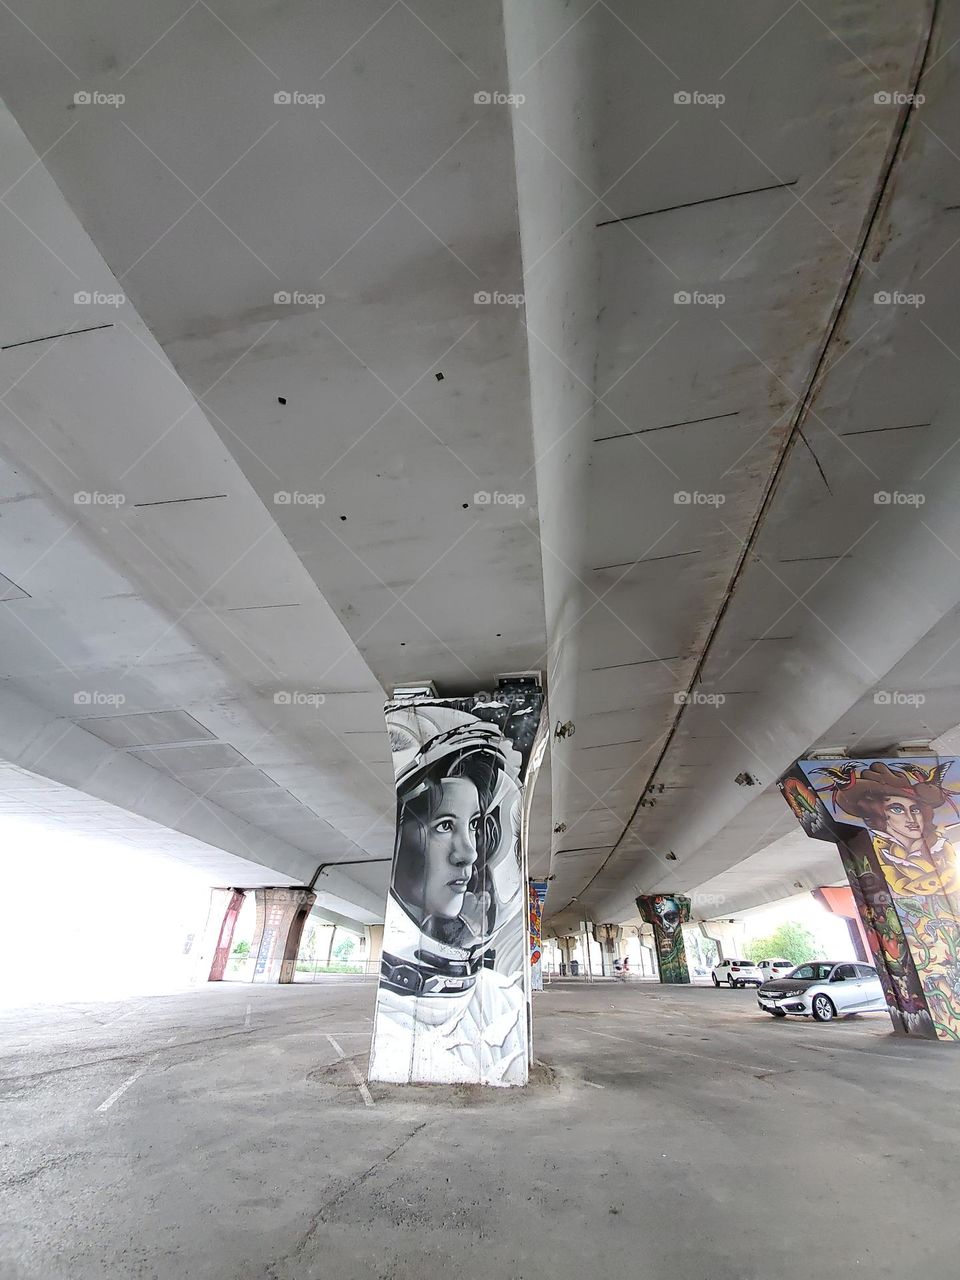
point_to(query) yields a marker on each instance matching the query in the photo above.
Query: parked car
(824, 989)
(775, 968)
(737, 973)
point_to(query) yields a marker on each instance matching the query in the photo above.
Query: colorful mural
(451, 1004)
(536, 895)
(668, 913)
(893, 822)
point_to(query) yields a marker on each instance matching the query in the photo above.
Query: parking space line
(358, 1079)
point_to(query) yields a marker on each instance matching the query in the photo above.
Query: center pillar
(668, 913)
(454, 975)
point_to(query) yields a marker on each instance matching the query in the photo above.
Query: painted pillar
(891, 821)
(607, 936)
(839, 901)
(452, 1003)
(217, 939)
(281, 915)
(667, 913)
(536, 895)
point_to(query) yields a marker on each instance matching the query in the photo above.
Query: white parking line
(118, 1093)
(358, 1079)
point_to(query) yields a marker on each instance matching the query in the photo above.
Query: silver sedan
(824, 989)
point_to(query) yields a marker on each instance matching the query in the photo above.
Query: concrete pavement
(226, 1133)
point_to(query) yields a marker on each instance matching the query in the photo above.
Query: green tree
(242, 949)
(344, 950)
(791, 941)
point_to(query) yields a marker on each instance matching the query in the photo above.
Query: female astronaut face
(450, 848)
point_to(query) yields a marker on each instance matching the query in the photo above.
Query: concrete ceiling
(303, 481)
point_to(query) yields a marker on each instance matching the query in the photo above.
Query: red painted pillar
(225, 940)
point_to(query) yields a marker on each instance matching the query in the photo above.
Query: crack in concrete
(319, 1217)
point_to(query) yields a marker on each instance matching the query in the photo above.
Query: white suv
(737, 973)
(775, 968)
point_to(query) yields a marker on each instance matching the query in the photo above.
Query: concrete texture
(221, 1134)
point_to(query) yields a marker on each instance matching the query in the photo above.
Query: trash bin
(575, 968)
(563, 969)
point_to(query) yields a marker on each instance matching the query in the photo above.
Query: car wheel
(779, 1013)
(716, 980)
(824, 1009)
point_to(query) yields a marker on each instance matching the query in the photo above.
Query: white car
(824, 989)
(737, 973)
(775, 968)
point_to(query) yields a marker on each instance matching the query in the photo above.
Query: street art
(668, 913)
(537, 892)
(894, 823)
(451, 1004)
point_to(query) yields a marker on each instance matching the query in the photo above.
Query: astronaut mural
(893, 822)
(668, 913)
(451, 1005)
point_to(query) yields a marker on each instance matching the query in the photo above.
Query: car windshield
(816, 972)
(744, 964)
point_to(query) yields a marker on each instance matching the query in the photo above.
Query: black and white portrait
(452, 1003)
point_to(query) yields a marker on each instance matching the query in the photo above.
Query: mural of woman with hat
(898, 801)
(451, 1004)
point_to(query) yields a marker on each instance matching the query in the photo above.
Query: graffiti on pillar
(451, 1004)
(905, 877)
(668, 913)
(536, 892)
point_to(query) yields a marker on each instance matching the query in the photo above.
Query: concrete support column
(607, 937)
(667, 913)
(839, 901)
(281, 915)
(892, 821)
(374, 947)
(567, 945)
(217, 937)
(729, 935)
